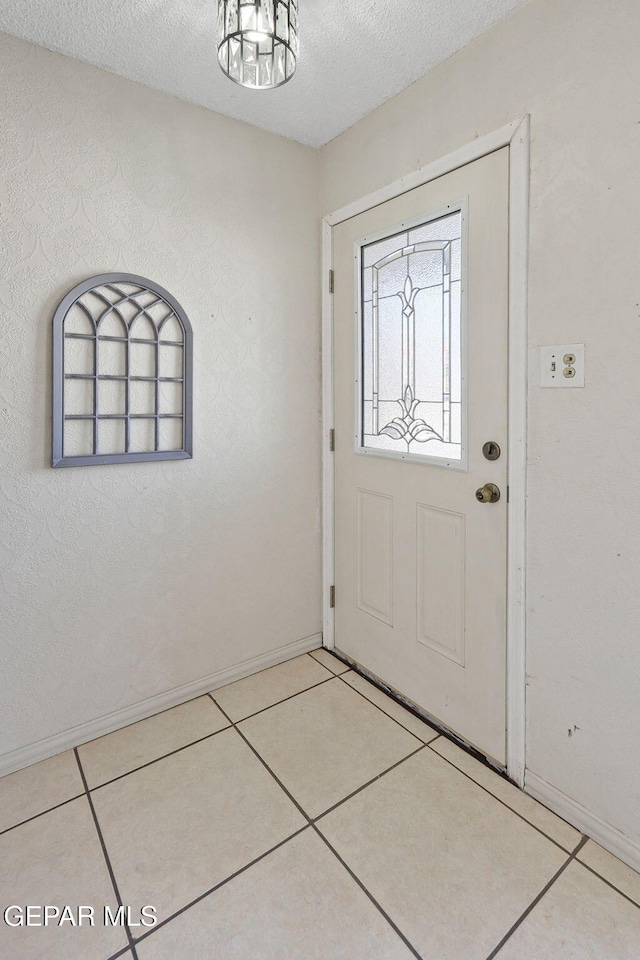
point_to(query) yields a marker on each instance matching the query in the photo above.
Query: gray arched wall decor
(122, 374)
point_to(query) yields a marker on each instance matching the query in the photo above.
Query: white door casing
(372, 503)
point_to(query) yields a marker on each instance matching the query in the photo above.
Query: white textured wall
(121, 582)
(574, 66)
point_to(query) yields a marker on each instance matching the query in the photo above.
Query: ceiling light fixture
(258, 41)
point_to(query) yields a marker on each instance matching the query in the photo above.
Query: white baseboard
(50, 746)
(621, 846)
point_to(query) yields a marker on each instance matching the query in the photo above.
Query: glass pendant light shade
(258, 41)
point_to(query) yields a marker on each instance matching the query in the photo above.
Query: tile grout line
(310, 653)
(120, 953)
(171, 753)
(438, 736)
(312, 824)
(120, 776)
(230, 724)
(373, 900)
(208, 735)
(439, 729)
(536, 900)
(324, 813)
(104, 852)
(185, 746)
(506, 805)
(292, 696)
(262, 856)
(312, 821)
(369, 783)
(608, 882)
(149, 763)
(56, 806)
(336, 656)
(388, 715)
(264, 763)
(192, 743)
(217, 886)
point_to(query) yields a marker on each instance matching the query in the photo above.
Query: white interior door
(420, 380)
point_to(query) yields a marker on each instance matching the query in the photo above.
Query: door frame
(515, 135)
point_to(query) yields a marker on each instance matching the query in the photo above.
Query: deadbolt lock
(491, 450)
(488, 494)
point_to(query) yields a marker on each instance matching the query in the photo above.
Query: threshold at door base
(421, 714)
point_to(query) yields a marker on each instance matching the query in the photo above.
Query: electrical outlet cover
(552, 365)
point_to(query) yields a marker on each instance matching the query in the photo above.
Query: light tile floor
(300, 814)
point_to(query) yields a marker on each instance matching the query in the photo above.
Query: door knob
(488, 494)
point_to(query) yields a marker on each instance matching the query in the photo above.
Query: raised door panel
(375, 555)
(440, 576)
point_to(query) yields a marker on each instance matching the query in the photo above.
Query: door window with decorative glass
(410, 335)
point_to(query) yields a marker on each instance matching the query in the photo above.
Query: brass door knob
(488, 494)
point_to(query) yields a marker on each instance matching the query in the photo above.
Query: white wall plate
(562, 366)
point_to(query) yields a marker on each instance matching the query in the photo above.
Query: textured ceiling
(355, 54)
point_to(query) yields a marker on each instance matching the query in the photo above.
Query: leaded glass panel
(410, 341)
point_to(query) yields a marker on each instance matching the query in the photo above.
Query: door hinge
(332, 597)
(507, 494)
(330, 281)
(332, 440)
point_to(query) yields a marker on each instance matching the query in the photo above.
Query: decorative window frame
(60, 375)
